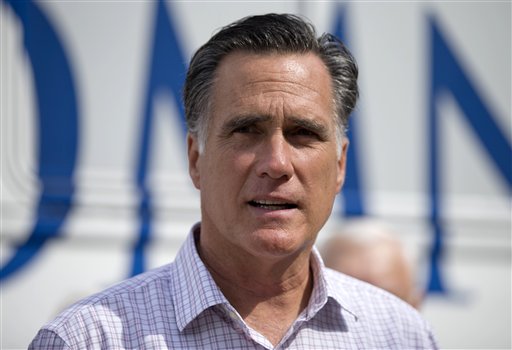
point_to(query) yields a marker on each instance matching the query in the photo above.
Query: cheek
(323, 173)
(227, 171)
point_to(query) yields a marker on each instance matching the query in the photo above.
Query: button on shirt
(179, 306)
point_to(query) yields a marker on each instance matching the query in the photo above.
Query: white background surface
(109, 45)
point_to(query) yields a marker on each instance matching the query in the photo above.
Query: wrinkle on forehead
(272, 78)
(276, 104)
(290, 74)
(277, 86)
(270, 67)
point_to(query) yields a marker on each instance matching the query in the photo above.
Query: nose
(274, 158)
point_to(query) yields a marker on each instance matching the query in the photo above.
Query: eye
(246, 129)
(305, 132)
(244, 125)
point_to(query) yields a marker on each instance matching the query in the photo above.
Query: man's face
(269, 171)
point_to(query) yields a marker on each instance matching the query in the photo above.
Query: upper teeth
(265, 202)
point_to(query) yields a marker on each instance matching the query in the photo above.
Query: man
(368, 250)
(266, 106)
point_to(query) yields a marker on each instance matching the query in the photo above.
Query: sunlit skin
(268, 176)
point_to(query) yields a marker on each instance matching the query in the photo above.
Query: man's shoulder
(383, 320)
(131, 286)
(131, 289)
(112, 308)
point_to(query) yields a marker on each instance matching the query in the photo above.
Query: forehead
(246, 79)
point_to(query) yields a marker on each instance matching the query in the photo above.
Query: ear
(193, 159)
(342, 164)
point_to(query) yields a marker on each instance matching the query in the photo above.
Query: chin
(278, 242)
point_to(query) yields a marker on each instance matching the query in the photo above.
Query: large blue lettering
(448, 75)
(167, 72)
(353, 198)
(57, 116)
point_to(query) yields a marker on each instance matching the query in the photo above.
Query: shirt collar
(326, 289)
(194, 289)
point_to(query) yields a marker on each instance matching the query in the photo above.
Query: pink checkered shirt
(179, 306)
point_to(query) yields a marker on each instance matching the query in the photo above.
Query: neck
(269, 294)
(258, 280)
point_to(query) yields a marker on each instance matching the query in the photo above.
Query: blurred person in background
(369, 250)
(267, 104)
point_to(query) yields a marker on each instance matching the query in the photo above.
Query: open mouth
(272, 205)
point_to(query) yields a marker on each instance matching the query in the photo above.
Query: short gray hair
(271, 33)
